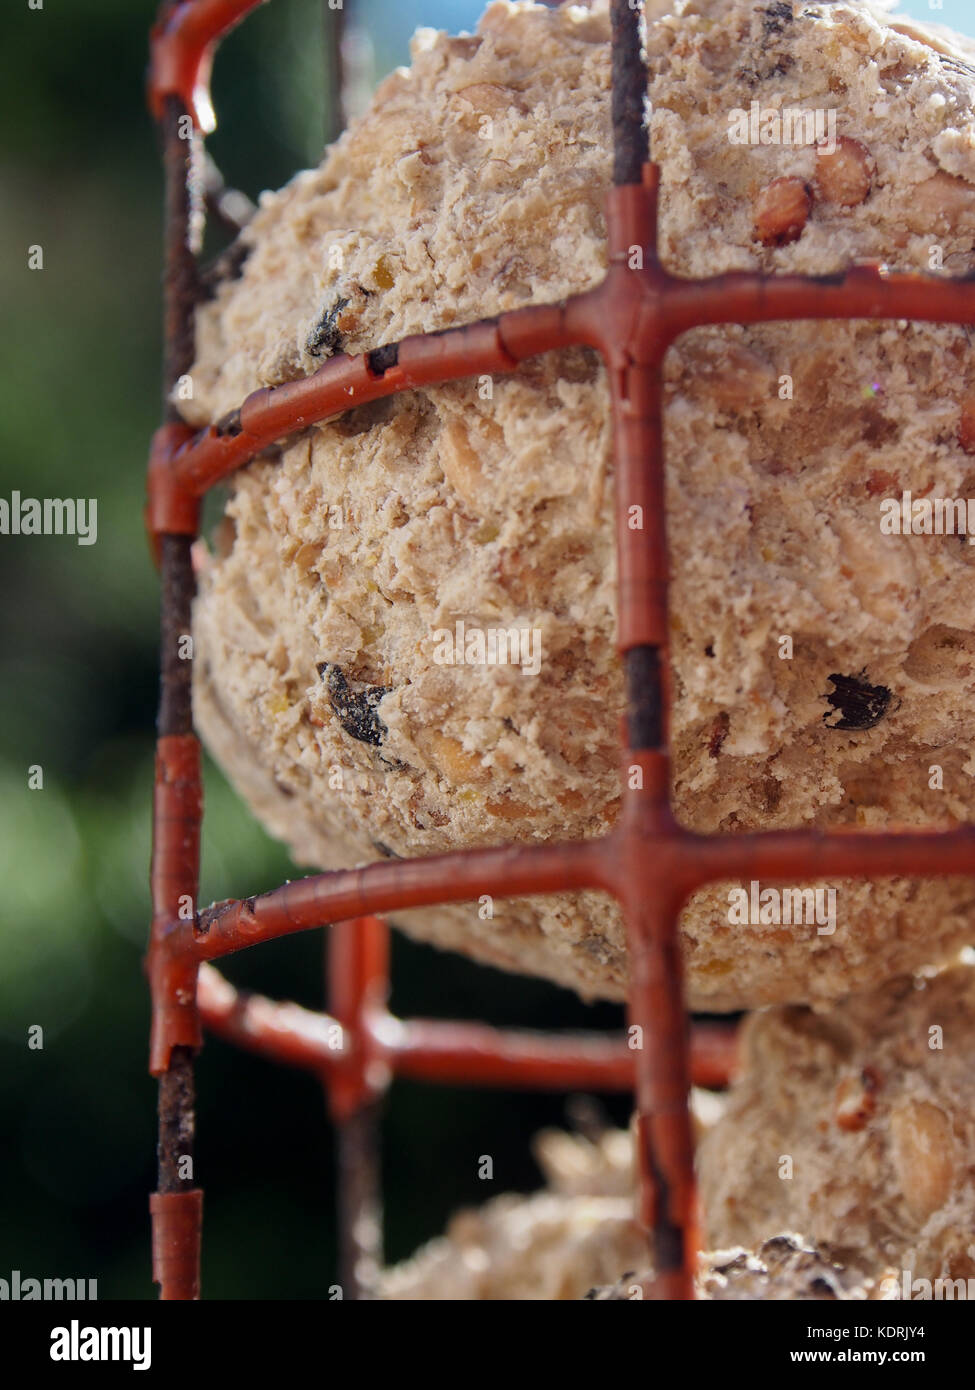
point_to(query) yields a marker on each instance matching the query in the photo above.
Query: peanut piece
(461, 464)
(922, 1144)
(306, 555)
(508, 809)
(727, 375)
(844, 176)
(941, 204)
(571, 799)
(782, 210)
(452, 760)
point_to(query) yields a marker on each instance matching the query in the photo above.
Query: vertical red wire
(176, 1206)
(650, 900)
(358, 985)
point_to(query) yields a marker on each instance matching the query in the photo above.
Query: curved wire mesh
(647, 862)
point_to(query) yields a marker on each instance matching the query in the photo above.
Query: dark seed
(856, 703)
(776, 17)
(719, 732)
(325, 339)
(385, 850)
(355, 709)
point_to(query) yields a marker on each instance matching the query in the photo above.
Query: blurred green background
(79, 369)
(79, 399)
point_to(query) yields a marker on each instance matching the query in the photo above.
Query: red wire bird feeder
(647, 862)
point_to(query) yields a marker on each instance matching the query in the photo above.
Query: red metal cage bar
(647, 862)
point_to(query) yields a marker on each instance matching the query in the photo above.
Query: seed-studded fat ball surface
(782, 1269)
(855, 1126)
(476, 183)
(577, 1238)
(578, 1231)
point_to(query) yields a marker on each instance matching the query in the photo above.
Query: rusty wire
(647, 862)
